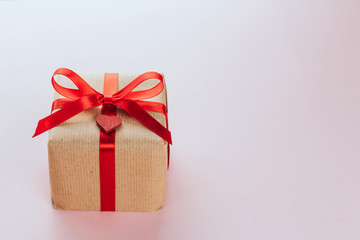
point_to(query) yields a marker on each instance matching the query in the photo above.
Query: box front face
(140, 158)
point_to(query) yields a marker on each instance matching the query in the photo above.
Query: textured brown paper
(140, 157)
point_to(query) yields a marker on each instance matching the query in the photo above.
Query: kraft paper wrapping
(140, 157)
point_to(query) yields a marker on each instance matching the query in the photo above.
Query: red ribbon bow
(85, 97)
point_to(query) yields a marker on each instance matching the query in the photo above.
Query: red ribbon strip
(107, 149)
(85, 97)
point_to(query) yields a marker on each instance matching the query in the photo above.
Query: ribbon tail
(69, 110)
(152, 106)
(135, 110)
(60, 103)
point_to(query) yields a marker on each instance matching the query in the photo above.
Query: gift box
(108, 143)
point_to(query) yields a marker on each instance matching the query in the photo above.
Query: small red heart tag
(108, 123)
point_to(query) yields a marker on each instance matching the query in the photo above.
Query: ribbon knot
(107, 100)
(85, 97)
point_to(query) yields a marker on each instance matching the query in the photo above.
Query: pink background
(264, 112)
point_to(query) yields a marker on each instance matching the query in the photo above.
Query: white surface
(264, 112)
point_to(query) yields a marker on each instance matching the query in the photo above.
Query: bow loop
(83, 87)
(128, 93)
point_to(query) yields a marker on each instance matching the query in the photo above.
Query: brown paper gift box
(140, 157)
